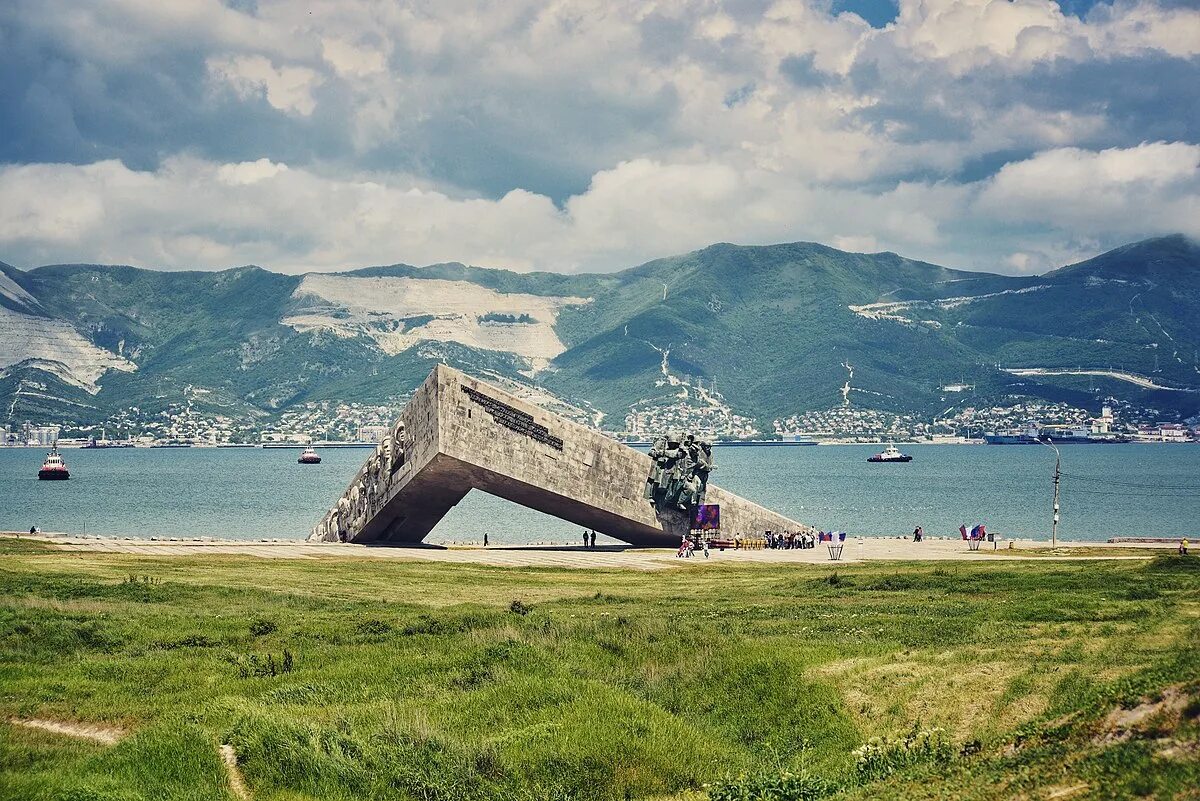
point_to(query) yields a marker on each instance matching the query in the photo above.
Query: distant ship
(1079, 435)
(1012, 437)
(1055, 435)
(890, 454)
(309, 456)
(106, 443)
(54, 468)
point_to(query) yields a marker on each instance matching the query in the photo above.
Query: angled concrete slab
(459, 434)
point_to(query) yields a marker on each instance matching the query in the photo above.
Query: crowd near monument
(457, 434)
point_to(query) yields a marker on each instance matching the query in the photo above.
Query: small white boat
(890, 454)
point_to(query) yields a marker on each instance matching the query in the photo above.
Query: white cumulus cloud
(590, 134)
(191, 213)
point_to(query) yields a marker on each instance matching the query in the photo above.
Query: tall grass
(418, 681)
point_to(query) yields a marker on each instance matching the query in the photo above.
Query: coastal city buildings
(708, 415)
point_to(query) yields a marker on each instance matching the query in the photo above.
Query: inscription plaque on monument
(514, 419)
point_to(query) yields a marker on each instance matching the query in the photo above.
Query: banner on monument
(707, 518)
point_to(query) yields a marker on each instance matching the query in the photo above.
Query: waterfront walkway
(603, 557)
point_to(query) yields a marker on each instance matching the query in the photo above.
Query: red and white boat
(54, 468)
(309, 456)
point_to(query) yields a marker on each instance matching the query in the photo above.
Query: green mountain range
(756, 332)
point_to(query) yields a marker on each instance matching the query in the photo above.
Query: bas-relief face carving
(370, 485)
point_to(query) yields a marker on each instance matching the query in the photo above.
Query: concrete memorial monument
(459, 434)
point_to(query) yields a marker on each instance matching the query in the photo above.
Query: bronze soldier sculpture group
(679, 475)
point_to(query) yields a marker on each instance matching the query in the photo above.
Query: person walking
(1183, 546)
(485, 541)
(705, 541)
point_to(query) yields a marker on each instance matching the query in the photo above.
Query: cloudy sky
(1009, 135)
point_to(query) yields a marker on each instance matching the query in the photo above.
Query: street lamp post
(1057, 480)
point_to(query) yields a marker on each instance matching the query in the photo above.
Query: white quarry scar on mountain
(11, 290)
(1120, 375)
(378, 307)
(56, 347)
(890, 310)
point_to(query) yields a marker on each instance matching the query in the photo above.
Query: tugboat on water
(890, 454)
(309, 456)
(54, 468)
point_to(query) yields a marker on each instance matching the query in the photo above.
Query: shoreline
(603, 557)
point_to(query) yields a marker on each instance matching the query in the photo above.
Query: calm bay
(251, 494)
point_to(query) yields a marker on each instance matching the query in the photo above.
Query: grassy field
(351, 679)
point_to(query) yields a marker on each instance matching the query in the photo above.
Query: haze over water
(257, 494)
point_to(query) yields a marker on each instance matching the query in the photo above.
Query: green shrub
(374, 628)
(248, 665)
(518, 607)
(880, 757)
(782, 786)
(500, 317)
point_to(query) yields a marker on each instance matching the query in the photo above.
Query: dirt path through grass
(108, 735)
(111, 735)
(237, 782)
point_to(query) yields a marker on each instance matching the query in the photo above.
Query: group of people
(689, 545)
(978, 532)
(589, 540)
(790, 540)
(778, 540)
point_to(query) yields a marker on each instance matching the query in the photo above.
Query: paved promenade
(603, 557)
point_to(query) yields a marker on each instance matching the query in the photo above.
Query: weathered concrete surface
(461, 434)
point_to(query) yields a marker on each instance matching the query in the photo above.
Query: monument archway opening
(506, 524)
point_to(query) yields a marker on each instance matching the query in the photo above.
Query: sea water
(253, 494)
